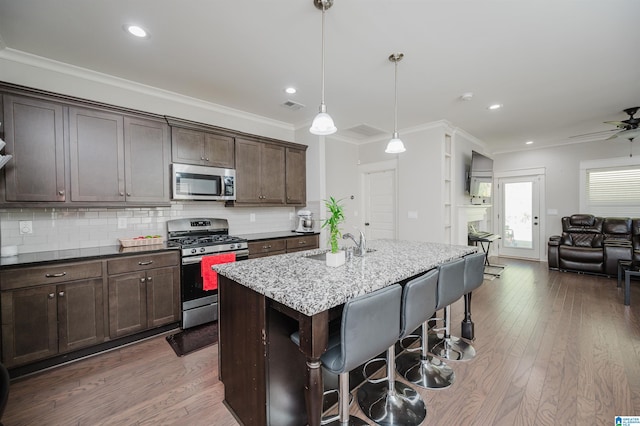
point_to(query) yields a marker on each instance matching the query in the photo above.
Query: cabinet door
(34, 136)
(97, 155)
(187, 146)
(219, 151)
(296, 176)
(163, 296)
(29, 325)
(273, 173)
(146, 160)
(248, 185)
(80, 314)
(127, 304)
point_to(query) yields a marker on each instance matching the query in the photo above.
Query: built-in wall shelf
(447, 182)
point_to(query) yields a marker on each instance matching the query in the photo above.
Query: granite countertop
(310, 287)
(78, 254)
(274, 235)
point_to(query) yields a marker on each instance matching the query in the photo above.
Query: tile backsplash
(71, 228)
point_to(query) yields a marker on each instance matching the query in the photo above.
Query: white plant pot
(335, 259)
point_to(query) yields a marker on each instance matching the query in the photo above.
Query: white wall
(562, 168)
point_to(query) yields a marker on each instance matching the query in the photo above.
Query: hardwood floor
(553, 348)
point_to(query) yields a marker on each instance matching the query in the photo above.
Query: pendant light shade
(395, 145)
(323, 123)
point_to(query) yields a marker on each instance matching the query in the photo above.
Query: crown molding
(109, 80)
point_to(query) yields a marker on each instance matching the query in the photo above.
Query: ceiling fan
(629, 126)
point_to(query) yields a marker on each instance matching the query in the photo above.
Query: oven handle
(240, 255)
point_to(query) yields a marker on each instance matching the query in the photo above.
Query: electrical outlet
(122, 223)
(26, 227)
(252, 217)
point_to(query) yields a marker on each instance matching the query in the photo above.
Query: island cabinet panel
(267, 248)
(144, 292)
(33, 132)
(190, 146)
(260, 173)
(50, 310)
(242, 355)
(296, 176)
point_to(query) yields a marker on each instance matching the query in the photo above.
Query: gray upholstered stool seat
(387, 401)
(369, 323)
(473, 278)
(450, 289)
(418, 305)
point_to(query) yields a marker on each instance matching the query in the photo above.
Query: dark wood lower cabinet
(44, 321)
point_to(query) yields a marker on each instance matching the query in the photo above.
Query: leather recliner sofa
(594, 244)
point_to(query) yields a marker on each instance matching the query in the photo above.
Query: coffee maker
(305, 222)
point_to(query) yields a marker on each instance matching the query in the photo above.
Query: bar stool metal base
(429, 373)
(402, 406)
(452, 349)
(353, 421)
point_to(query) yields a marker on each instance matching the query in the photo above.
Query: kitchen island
(268, 379)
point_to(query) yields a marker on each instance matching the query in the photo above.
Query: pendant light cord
(395, 107)
(322, 94)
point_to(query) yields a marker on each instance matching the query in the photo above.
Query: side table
(626, 270)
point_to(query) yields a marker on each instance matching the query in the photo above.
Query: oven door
(199, 306)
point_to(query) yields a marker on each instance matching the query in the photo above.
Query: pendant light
(323, 123)
(395, 145)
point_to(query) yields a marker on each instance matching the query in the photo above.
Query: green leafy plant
(336, 217)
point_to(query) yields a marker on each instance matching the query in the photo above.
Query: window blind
(614, 191)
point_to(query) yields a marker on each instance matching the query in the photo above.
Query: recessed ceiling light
(290, 90)
(136, 30)
(494, 106)
(529, 142)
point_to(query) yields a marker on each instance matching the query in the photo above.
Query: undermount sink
(323, 256)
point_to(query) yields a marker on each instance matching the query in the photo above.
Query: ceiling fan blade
(628, 134)
(620, 124)
(600, 132)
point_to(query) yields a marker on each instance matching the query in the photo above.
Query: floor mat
(194, 338)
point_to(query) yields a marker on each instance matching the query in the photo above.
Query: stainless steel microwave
(203, 183)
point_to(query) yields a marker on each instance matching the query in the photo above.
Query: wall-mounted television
(480, 177)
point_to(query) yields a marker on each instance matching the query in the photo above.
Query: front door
(519, 217)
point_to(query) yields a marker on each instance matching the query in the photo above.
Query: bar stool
(450, 289)
(370, 323)
(473, 278)
(385, 400)
(417, 365)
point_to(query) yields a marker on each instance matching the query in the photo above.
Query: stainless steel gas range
(199, 237)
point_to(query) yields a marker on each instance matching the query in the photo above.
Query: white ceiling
(560, 67)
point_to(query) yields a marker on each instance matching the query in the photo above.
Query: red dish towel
(209, 276)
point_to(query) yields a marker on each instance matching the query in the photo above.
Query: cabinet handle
(149, 279)
(302, 242)
(61, 192)
(121, 194)
(128, 194)
(206, 159)
(52, 295)
(201, 158)
(266, 247)
(61, 294)
(149, 262)
(61, 274)
(142, 280)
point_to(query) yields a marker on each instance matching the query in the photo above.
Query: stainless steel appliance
(202, 183)
(305, 222)
(198, 237)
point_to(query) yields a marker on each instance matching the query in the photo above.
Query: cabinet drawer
(49, 274)
(267, 247)
(306, 242)
(143, 262)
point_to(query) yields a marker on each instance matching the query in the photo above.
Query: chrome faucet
(361, 247)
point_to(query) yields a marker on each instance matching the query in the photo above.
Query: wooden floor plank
(553, 348)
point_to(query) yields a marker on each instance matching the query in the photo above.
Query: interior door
(380, 204)
(519, 217)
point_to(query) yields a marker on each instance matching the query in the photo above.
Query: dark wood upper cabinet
(296, 176)
(260, 172)
(202, 148)
(33, 131)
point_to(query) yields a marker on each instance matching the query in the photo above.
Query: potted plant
(335, 257)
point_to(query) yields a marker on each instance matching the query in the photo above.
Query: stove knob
(202, 249)
(232, 246)
(193, 250)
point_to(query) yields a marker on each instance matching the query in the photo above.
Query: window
(610, 188)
